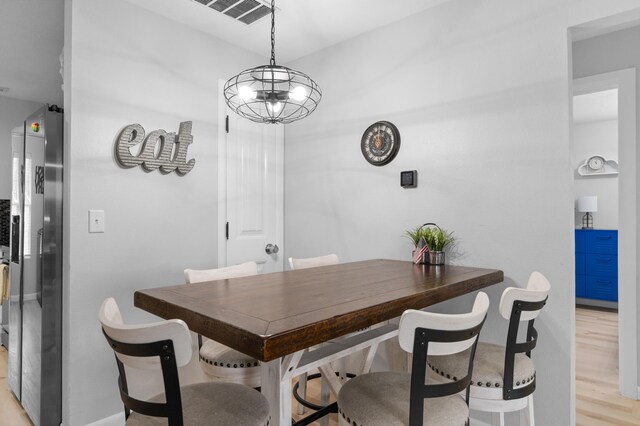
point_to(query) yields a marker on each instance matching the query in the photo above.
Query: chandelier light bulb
(298, 94)
(246, 94)
(274, 107)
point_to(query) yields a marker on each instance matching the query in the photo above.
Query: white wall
(12, 113)
(479, 92)
(126, 65)
(596, 138)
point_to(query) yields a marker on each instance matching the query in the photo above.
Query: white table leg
(366, 358)
(277, 390)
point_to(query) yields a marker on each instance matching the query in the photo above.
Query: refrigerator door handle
(15, 239)
(40, 264)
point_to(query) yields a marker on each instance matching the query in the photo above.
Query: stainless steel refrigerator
(35, 302)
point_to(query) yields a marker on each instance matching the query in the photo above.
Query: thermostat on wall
(409, 179)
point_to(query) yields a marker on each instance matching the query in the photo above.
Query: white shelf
(610, 168)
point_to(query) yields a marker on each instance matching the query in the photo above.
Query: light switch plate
(96, 221)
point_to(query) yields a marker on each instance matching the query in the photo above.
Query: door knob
(272, 248)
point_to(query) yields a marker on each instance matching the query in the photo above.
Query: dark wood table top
(272, 315)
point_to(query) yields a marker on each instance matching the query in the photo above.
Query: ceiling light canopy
(272, 93)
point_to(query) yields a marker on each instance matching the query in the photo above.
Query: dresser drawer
(602, 265)
(581, 263)
(581, 286)
(602, 242)
(581, 240)
(603, 288)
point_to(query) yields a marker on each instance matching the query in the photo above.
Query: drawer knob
(607, 237)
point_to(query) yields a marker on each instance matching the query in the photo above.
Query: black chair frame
(172, 408)
(513, 348)
(419, 388)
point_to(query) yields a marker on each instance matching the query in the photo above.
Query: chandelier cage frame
(272, 93)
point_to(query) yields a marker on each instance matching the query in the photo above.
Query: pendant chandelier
(272, 93)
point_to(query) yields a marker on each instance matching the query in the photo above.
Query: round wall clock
(596, 163)
(380, 143)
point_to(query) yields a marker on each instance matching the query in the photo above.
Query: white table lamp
(588, 205)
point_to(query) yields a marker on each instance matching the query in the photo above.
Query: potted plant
(420, 252)
(435, 238)
(414, 235)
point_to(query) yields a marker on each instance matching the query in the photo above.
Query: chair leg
(342, 368)
(497, 419)
(526, 414)
(302, 391)
(325, 393)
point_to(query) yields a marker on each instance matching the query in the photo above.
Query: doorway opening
(604, 165)
(595, 163)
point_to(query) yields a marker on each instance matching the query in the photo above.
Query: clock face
(596, 163)
(380, 143)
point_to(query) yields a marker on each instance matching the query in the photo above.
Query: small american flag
(421, 248)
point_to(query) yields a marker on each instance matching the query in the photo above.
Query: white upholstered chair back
(412, 319)
(201, 275)
(537, 290)
(312, 262)
(175, 330)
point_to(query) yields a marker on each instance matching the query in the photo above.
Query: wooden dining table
(275, 317)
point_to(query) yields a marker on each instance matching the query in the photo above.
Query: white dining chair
(395, 398)
(504, 377)
(200, 275)
(312, 262)
(218, 361)
(165, 346)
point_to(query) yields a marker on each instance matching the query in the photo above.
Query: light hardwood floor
(598, 401)
(11, 413)
(313, 395)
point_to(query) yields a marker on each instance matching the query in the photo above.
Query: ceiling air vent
(246, 11)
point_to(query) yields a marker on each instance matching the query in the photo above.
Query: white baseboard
(597, 303)
(115, 420)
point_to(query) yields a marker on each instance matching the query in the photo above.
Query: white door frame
(625, 82)
(222, 177)
(222, 181)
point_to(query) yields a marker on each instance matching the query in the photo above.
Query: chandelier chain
(273, 32)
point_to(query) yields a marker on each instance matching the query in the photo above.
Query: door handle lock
(272, 248)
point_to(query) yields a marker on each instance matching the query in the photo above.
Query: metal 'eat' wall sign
(172, 153)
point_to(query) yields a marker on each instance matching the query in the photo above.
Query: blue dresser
(597, 264)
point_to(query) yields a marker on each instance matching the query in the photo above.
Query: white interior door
(251, 163)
